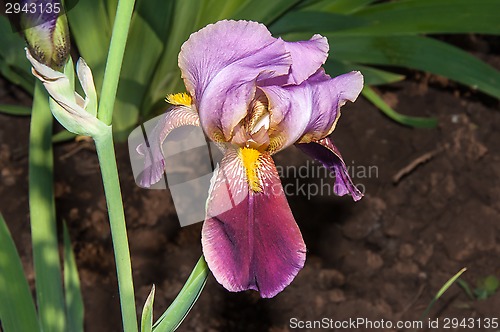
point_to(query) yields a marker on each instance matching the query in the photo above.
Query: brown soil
(384, 257)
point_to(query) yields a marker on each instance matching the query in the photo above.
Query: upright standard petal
(154, 163)
(221, 65)
(307, 57)
(309, 111)
(291, 110)
(328, 95)
(327, 153)
(250, 238)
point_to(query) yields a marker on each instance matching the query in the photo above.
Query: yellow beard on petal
(179, 99)
(250, 158)
(275, 143)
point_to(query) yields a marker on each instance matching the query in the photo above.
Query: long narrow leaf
(420, 53)
(372, 76)
(465, 286)
(13, 64)
(157, 14)
(111, 10)
(91, 30)
(178, 310)
(431, 16)
(17, 76)
(63, 136)
(15, 110)
(441, 291)
(336, 6)
(48, 281)
(398, 18)
(148, 28)
(12, 50)
(211, 11)
(17, 309)
(264, 11)
(72, 291)
(147, 312)
(411, 121)
(167, 75)
(315, 22)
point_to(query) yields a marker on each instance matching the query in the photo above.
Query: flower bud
(46, 31)
(76, 113)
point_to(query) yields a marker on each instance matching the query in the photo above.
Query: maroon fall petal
(327, 153)
(250, 239)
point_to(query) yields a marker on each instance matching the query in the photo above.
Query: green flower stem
(107, 161)
(115, 59)
(49, 291)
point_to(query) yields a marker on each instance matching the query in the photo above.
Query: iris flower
(255, 95)
(45, 29)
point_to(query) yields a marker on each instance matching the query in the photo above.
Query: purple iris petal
(154, 163)
(307, 57)
(291, 111)
(328, 96)
(327, 153)
(221, 65)
(250, 239)
(309, 111)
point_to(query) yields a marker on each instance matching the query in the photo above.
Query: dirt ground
(384, 257)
